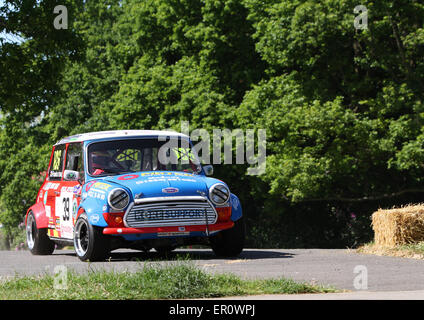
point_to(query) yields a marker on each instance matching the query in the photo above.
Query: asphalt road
(330, 267)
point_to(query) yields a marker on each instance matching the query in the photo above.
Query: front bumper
(170, 231)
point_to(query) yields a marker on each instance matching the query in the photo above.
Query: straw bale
(398, 226)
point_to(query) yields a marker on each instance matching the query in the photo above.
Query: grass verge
(413, 250)
(151, 282)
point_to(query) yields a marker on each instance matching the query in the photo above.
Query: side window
(74, 159)
(56, 166)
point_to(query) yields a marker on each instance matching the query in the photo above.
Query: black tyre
(145, 249)
(165, 250)
(230, 242)
(89, 241)
(37, 239)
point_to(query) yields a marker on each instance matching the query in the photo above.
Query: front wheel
(89, 241)
(38, 241)
(230, 242)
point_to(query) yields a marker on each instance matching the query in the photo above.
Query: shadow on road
(203, 254)
(184, 254)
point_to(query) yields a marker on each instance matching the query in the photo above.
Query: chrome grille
(170, 211)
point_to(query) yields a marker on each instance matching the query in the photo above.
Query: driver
(100, 161)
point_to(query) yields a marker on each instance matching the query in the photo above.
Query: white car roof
(99, 135)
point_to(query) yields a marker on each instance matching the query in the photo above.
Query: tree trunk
(7, 241)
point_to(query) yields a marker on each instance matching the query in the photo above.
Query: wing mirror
(208, 169)
(71, 175)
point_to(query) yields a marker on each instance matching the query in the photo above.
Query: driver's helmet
(100, 159)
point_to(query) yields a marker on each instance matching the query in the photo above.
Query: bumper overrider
(170, 216)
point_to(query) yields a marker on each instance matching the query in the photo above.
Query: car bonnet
(161, 183)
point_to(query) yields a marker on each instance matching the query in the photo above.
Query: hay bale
(398, 225)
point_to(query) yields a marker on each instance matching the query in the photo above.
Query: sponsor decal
(66, 230)
(94, 218)
(96, 194)
(162, 173)
(170, 190)
(146, 174)
(77, 189)
(159, 179)
(55, 174)
(48, 211)
(162, 178)
(89, 185)
(171, 234)
(74, 206)
(183, 174)
(128, 177)
(104, 208)
(92, 189)
(67, 189)
(51, 186)
(168, 214)
(57, 222)
(102, 186)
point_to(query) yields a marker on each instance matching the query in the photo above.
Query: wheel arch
(236, 210)
(94, 215)
(39, 212)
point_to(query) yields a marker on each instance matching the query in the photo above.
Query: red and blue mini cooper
(138, 189)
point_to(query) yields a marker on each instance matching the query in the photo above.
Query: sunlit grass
(177, 281)
(412, 250)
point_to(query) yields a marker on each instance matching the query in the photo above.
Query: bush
(4, 242)
(13, 239)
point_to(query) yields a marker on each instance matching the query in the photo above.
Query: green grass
(416, 248)
(150, 282)
(412, 250)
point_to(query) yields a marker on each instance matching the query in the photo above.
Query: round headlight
(118, 199)
(219, 194)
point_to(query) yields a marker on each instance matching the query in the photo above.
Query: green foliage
(342, 107)
(336, 111)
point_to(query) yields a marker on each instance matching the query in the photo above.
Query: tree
(31, 61)
(342, 106)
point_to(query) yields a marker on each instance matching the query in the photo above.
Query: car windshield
(132, 155)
